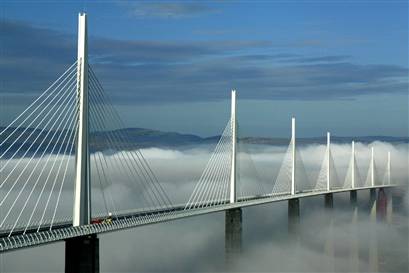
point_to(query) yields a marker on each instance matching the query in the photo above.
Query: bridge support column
(329, 200)
(233, 235)
(382, 205)
(82, 254)
(373, 257)
(329, 245)
(372, 195)
(389, 206)
(353, 197)
(354, 245)
(293, 216)
(372, 203)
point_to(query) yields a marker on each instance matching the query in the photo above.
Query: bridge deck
(137, 218)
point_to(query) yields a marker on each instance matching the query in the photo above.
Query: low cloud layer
(199, 240)
(118, 185)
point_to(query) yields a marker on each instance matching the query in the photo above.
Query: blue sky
(336, 65)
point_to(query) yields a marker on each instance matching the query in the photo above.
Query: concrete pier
(293, 216)
(382, 206)
(372, 204)
(354, 244)
(373, 257)
(353, 197)
(389, 206)
(329, 201)
(372, 198)
(233, 235)
(329, 245)
(82, 254)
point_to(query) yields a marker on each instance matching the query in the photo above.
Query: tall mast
(233, 141)
(372, 167)
(82, 189)
(328, 160)
(353, 166)
(293, 156)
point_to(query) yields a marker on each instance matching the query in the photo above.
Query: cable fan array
(38, 155)
(37, 158)
(249, 182)
(214, 184)
(328, 167)
(282, 184)
(118, 167)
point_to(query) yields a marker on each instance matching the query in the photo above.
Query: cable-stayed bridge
(67, 153)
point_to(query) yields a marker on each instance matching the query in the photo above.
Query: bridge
(72, 135)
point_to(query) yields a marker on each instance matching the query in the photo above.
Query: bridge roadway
(135, 218)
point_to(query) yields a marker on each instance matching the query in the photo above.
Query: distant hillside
(143, 138)
(140, 137)
(147, 138)
(323, 140)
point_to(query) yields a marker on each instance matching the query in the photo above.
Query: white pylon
(328, 160)
(293, 156)
(233, 140)
(82, 194)
(388, 169)
(372, 167)
(353, 166)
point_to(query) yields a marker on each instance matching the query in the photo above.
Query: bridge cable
(143, 163)
(111, 138)
(125, 166)
(215, 174)
(58, 96)
(209, 174)
(144, 167)
(282, 183)
(47, 118)
(68, 71)
(245, 158)
(203, 180)
(50, 119)
(37, 163)
(67, 133)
